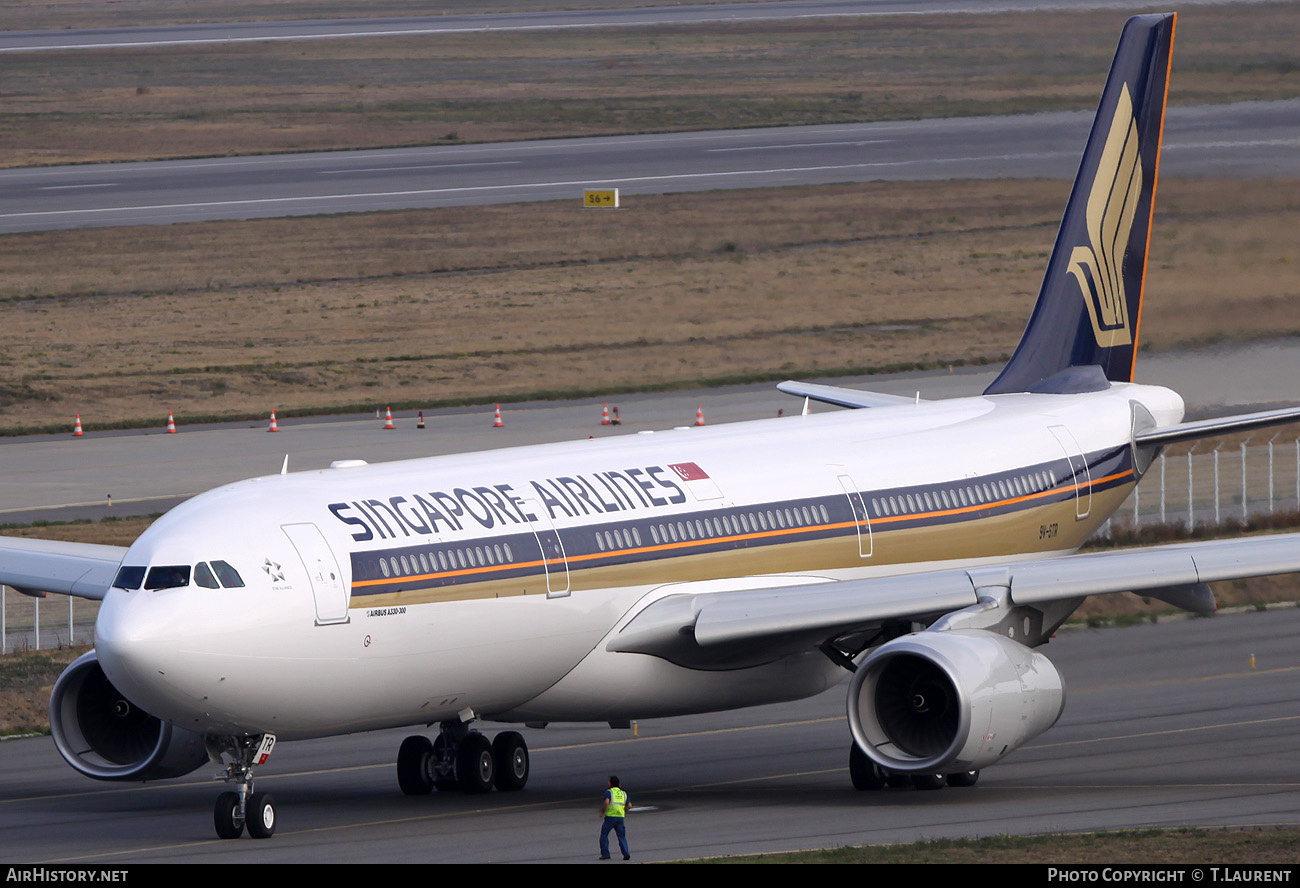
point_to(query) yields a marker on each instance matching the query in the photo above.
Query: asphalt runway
(1241, 140)
(1165, 726)
(643, 16)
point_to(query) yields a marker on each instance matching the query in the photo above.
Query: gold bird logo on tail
(1112, 204)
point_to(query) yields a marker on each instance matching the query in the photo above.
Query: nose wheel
(243, 808)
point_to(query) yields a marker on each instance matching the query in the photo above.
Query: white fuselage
(408, 592)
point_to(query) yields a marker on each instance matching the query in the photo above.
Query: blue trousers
(616, 824)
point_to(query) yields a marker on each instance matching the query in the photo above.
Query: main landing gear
(462, 759)
(866, 775)
(243, 808)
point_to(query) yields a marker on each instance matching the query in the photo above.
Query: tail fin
(1090, 304)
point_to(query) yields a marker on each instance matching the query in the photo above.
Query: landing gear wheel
(413, 760)
(929, 781)
(963, 778)
(865, 773)
(261, 815)
(897, 781)
(443, 782)
(475, 767)
(225, 816)
(510, 755)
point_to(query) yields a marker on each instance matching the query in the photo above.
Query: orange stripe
(1160, 140)
(686, 544)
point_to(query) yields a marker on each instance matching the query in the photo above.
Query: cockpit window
(169, 576)
(229, 577)
(203, 576)
(129, 577)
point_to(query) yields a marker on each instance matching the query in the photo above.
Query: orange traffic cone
(76, 428)
(388, 418)
(699, 415)
(171, 423)
(273, 427)
(604, 415)
(496, 421)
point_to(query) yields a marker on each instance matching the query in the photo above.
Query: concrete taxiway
(1165, 725)
(58, 477)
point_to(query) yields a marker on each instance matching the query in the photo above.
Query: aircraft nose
(135, 648)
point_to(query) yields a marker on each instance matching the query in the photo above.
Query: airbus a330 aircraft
(924, 547)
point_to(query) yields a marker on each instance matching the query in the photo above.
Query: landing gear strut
(462, 759)
(244, 807)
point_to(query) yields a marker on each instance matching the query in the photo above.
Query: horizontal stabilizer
(84, 570)
(1223, 425)
(842, 397)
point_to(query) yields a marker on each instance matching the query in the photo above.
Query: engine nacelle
(105, 736)
(950, 701)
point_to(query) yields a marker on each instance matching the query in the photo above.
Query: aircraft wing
(712, 630)
(84, 570)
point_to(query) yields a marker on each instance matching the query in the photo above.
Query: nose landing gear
(243, 808)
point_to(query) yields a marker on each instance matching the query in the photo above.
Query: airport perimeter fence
(1206, 486)
(1215, 485)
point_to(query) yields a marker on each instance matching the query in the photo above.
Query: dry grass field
(491, 303)
(62, 107)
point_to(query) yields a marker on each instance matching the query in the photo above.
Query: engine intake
(104, 735)
(951, 701)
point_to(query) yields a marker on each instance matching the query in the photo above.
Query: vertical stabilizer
(1090, 304)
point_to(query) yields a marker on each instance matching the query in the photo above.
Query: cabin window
(654, 534)
(509, 555)
(636, 536)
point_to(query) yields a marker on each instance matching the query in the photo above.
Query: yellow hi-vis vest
(617, 803)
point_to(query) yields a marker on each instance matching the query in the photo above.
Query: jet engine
(104, 735)
(951, 701)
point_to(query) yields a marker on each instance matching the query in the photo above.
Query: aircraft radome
(924, 547)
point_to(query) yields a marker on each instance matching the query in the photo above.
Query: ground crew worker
(614, 810)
